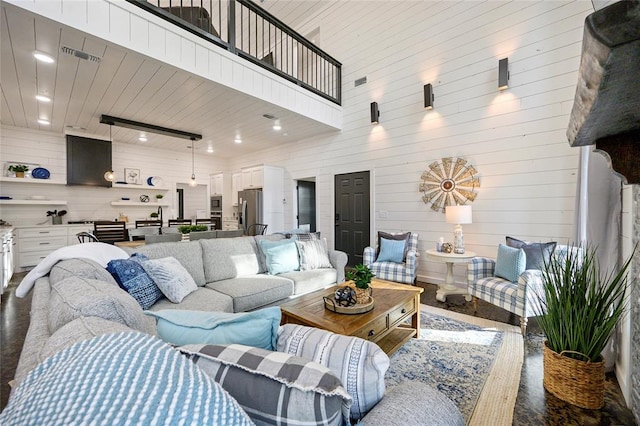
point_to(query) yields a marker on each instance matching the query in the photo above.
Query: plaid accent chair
(398, 272)
(519, 297)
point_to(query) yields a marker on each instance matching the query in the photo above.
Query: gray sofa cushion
(81, 328)
(85, 268)
(75, 297)
(203, 299)
(226, 258)
(307, 281)
(189, 254)
(254, 292)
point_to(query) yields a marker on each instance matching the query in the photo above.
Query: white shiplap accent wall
(87, 202)
(515, 138)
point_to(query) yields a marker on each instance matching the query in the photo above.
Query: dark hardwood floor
(534, 406)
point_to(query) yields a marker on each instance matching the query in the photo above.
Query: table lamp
(459, 215)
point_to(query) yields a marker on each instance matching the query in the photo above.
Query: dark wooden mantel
(606, 108)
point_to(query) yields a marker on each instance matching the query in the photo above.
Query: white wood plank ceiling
(128, 85)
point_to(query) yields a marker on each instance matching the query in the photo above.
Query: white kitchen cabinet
(35, 243)
(236, 185)
(253, 177)
(217, 184)
(6, 270)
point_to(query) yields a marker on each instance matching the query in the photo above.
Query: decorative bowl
(40, 173)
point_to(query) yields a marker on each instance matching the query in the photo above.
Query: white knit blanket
(99, 252)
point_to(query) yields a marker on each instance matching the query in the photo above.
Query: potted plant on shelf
(579, 307)
(153, 215)
(361, 276)
(18, 169)
(159, 198)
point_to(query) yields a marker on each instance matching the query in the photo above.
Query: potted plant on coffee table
(361, 276)
(579, 308)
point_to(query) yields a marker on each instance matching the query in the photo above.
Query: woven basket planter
(577, 382)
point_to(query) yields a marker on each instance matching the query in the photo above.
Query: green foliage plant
(580, 304)
(20, 168)
(361, 275)
(186, 229)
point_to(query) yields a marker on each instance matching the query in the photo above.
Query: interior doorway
(352, 217)
(306, 195)
(192, 201)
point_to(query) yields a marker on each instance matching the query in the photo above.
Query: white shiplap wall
(515, 138)
(87, 202)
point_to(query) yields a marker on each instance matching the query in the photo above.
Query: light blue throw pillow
(510, 263)
(282, 256)
(256, 328)
(391, 250)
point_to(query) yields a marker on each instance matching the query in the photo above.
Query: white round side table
(450, 259)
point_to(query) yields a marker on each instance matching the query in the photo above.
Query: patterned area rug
(473, 361)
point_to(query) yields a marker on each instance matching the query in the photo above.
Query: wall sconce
(375, 114)
(503, 74)
(428, 96)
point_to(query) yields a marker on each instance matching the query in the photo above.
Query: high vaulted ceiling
(129, 85)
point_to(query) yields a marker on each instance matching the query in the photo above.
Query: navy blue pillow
(131, 276)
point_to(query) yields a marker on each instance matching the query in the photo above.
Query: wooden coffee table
(384, 324)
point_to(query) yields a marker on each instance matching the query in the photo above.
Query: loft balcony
(178, 65)
(245, 29)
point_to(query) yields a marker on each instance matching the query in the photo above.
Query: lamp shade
(458, 214)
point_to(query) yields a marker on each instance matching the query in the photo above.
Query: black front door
(352, 214)
(307, 204)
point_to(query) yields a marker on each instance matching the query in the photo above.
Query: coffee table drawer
(402, 312)
(373, 329)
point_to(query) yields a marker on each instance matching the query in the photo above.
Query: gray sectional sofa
(79, 302)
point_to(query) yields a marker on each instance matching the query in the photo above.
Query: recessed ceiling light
(44, 122)
(142, 138)
(43, 57)
(276, 125)
(210, 150)
(237, 139)
(43, 98)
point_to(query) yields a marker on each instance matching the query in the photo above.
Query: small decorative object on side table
(449, 286)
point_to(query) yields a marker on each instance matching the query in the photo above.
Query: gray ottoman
(414, 403)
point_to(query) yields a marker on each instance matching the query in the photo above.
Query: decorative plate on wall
(450, 181)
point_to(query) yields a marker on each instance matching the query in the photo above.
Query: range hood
(606, 108)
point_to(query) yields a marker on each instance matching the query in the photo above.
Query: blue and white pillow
(131, 276)
(120, 378)
(510, 263)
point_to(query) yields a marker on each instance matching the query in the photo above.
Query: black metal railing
(253, 34)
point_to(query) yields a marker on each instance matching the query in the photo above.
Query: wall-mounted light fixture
(136, 125)
(375, 113)
(428, 96)
(503, 74)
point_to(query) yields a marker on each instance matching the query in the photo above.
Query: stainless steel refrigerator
(250, 208)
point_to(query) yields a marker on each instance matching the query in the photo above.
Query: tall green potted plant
(580, 306)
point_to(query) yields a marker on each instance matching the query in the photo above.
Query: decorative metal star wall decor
(451, 181)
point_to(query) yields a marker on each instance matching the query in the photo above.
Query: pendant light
(193, 182)
(110, 175)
